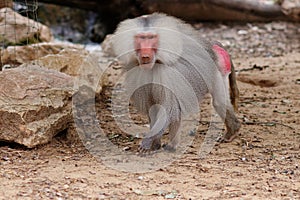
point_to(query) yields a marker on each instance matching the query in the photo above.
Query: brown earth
(262, 163)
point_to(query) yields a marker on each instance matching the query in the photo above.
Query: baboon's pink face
(146, 44)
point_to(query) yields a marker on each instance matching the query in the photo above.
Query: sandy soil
(262, 163)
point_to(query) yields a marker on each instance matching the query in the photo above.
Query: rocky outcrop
(36, 98)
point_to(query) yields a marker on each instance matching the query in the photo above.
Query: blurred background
(84, 21)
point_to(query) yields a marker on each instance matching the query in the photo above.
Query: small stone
(242, 32)
(192, 132)
(171, 195)
(66, 186)
(58, 194)
(254, 28)
(5, 158)
(285, 101)
(126, 148)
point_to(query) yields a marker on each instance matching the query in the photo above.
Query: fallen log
(235, 10)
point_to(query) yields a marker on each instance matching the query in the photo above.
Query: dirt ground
(263, 162)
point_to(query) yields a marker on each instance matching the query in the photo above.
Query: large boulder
(35, 104)
(16, 29)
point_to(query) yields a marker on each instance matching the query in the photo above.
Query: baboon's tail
(234, 90)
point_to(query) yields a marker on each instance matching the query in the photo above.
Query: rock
(16, 55)
(258, 80)
(90, 71)
(107, 45)
(35, 104)
(291, 8)
(6, 3)
(83, 65)
(114, 72)
(68, 58)
(242, 32)
(16, 29)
